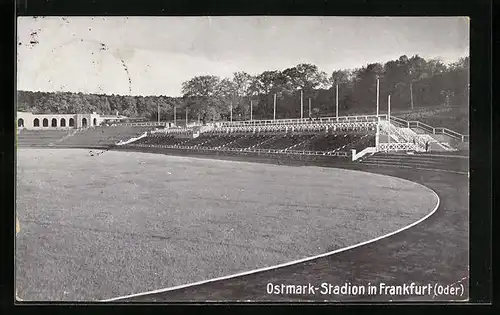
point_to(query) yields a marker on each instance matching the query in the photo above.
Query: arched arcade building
(27, 120)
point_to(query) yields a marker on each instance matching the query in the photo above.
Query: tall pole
(337, 101)
(377, 135)
(378, 96)
(274, 116)
(389, 118)
(231, 108)
(389, 109)
(301, 104)
(251, 109)
(309, 107)
(175, 115)
(158, 113)
(186, 117)
(411, 95)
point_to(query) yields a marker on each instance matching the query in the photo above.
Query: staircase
(40, 138)
(438, 162)
(101, 136)
(302, 143)
(264, 142)
(436, 144)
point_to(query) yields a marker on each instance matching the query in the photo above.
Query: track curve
(81, 181)
(432, 252)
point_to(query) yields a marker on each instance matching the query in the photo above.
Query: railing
(274, 151)
(389, 128)
(137, 124)
(131, 139)
(397, 146)
(295, 128)
(362, 153)
(449, 133)
(206, 128)
(436, 131)
(429, 129)
(321, 120)
(173, 131)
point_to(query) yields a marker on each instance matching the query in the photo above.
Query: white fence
(403, 135)
(137, 124)
(173, 131)
(429, 129)
(321, 120)
(397, 146)
(132, 139)
(316, 127)
(362, 153)
(275, 151)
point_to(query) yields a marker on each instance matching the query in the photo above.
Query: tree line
(412, 83)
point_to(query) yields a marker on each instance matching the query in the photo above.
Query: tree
(427, 82)
(434, 67)
(242, 82)
(200, 95)
(340, 77)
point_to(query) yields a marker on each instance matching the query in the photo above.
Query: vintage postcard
(242, 158)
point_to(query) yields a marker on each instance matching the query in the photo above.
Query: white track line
(285, 264)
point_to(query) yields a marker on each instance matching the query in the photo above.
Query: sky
(154, 55)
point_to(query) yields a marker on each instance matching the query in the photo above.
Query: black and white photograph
(242, 159)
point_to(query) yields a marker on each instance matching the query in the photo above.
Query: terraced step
(414, 159)
(438, 162)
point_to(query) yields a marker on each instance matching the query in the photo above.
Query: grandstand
(357, 142)
(101, 136)
(88, 137)
(36, 138)
(347, 136)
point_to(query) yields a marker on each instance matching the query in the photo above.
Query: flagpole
(389, 118)
(377, 133)
(231, 106)
(158, 113)
(274, 117)
(175, 115)
(309, 107)
(251, 109)
(378, 95)
(389, 109)
(337, 102)
(301, 104)
(411, 95)
(186, 117)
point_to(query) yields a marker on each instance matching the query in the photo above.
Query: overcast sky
(158, 53)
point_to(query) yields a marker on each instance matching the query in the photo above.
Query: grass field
(96, 227)
(436, 251)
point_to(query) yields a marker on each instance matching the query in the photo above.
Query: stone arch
(94, 122)
(71, 122)
(84, 122)
(54, 122)
(20, 122)
(45, 122)
(36, 122)
(63, 122)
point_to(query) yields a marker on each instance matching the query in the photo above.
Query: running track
(435, 250)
